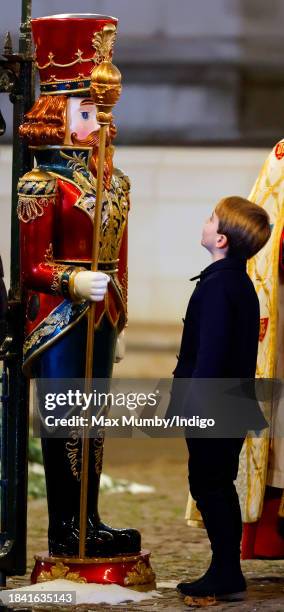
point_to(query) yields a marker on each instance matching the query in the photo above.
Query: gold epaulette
(35, 191)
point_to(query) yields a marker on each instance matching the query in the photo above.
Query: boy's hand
(91, 285)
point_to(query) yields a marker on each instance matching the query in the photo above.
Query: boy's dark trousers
(213, 467)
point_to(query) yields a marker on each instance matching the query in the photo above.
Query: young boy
(220, 340)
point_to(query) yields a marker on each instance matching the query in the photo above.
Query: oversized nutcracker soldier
(56, 209)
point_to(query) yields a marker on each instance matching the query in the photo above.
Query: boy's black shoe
(223, 583)
(221, 515)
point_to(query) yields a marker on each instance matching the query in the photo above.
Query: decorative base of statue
(132, 571)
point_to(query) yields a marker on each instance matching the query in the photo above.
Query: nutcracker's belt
(109, 267)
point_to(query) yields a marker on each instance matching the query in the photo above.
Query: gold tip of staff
(105, 90)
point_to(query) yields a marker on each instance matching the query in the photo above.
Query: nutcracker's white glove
(120, 347)
(91, 285)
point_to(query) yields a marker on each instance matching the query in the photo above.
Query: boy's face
(210, 238)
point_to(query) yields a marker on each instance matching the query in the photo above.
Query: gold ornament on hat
(103, 43)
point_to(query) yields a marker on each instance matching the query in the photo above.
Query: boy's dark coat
(221, 327)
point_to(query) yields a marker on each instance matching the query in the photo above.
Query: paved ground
(178, 552)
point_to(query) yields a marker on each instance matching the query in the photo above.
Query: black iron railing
(16, 79)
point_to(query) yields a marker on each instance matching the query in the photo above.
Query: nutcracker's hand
(91, 285)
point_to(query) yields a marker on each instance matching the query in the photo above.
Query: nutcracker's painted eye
(85, 115)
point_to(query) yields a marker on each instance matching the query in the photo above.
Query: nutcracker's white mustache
(91, 140)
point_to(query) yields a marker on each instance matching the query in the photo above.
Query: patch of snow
(107, 483)
(36, 468)
(90, 593)
(120, 485)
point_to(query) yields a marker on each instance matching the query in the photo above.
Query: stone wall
(194, 71)
(173, 191)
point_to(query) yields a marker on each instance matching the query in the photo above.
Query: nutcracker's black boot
(224, 579)
(62, 462)
(124, 541)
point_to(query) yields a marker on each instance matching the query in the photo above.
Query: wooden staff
(105, 91)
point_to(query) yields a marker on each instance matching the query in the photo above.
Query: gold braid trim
(52, 321)
(72, 448)
(36, 189)
(124, 286)
(63, 276)
(57, 270)
(99, 451)
(31, 207)
(79, 59)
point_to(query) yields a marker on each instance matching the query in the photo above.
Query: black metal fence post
(16, 79)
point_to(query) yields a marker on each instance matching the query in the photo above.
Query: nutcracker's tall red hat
(68, 47)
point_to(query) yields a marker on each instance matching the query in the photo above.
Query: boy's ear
(222, 241)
